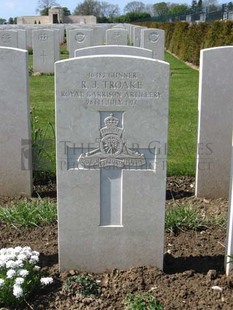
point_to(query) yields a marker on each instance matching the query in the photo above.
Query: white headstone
(79, 38)
(119, 26)
(29, 36)
(113, 50)
(57, 42)
(99, 35)
(214, 123)
(229, 242)
(61, 29)
(137, 35)
(22, 39)
(9, 38)
(15, 135)
(117, 36)
(153, 39)
(131, 34)
(111, 116)
(45, 50)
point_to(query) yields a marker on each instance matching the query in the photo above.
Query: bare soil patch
(193, 262)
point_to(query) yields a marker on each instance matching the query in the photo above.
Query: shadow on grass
(178, 194)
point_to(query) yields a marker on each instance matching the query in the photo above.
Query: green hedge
(186, 40)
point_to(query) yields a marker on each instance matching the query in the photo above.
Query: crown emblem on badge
(112, 149)
(111, 123)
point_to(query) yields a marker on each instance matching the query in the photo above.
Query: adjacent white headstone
(15, 135)
(99, 35)
(61, 29)
(117, 36)
(137, 35)
(131, 34)
(229, 241)
(215, 122)
(113, 50)
(22, 39)
(153, 39)
(9, 38)
(57, 44)
(79, 38)
(111, 117)
(45, 50)
(29, 36)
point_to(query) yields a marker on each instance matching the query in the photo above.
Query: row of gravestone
(110, 109)
(10, 39)
(46, 43)
(21, 36)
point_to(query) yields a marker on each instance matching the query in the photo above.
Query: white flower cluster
(15, 265)
(15, 257)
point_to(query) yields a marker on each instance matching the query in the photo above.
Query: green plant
(81, 284)
(144, 301)
(186, 40)
(20, 277)
(47, 74)
(230, 260)
(183, 218)
(42, 159)
(30, 51)
(30, 70)
(219, 220)
(29, 213)
(63, 50)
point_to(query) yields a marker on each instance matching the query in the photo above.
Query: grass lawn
(182, 137)
(182, 115)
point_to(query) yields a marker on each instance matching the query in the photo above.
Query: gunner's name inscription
(112, 150)
(110, 89)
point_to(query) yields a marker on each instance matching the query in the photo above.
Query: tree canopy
(66, 11)
(134, 7)
(88, 7)
(2, 21)
(134, 10)
(167, 8)
(104, 11)
(161, 8)
(42, 5)
(131, 17)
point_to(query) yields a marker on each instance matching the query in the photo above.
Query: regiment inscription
(111, 88)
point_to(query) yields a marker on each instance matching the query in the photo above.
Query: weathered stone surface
(114, 50)
(111, 116)
(15, 135)
(229, 239)
(215, 123)
(45, 50)
(9, 38)
(153, 39)
(117, 36)
(79, 38)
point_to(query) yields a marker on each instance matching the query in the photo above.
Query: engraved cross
(43, 55)
(111, 157)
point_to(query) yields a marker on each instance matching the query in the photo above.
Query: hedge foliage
(186, 40)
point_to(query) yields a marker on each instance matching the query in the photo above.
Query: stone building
(56, 16)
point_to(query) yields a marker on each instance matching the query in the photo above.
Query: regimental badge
(153, 37)
(80, 37)
(112, 149)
